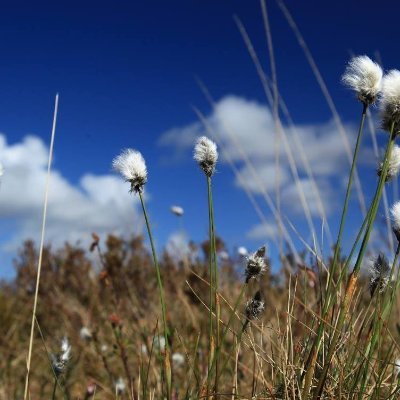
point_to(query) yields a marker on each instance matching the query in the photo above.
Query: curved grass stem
(161, 295)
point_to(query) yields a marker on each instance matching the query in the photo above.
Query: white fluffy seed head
(60, 361)
(390, 101)
(178, 359)
(395, 213)
(120, 386)
(255, 307)
(65, 350)
(364, 76)
(178, 211)
(394, 164)
(242, 251)
(131, 165)
(206, 154)
(256, 265)
(397, 366)
(85, 333)
(379, 274)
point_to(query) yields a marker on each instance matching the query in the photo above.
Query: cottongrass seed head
(131, 165)
(394, 164)
(120, 386)
(242, 251)
(390, 101)
(85, 333)
(395, 213)
(206, 154)
(379, 274)
(60, 361)
(256, 264)
(364, 76)
(397, 366)
(177, 210)
(255, 307)
(178, 359)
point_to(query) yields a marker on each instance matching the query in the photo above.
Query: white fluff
(397, 365)
(394, 164)
(390, 100)
(178, 359)
(206, 154)
(364, 76)
(65, 350)
(85, 333)
(395, 213)
(131, 165)
(120, 386)
(242, 251)
(1, 170)
(178, 211)
(104, 348)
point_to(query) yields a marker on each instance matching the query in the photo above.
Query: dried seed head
(390, 101)
(178, 211)
(254, 307)
(364, 76)
(395, 213)
(206, 154)
(394, 164)
(379, 274)
(60, 360)
(256, 265)
(131, 165)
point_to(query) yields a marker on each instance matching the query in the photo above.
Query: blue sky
(125, 73)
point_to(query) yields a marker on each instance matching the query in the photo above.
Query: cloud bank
(98, 203)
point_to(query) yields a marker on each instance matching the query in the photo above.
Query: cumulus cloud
(98, 203)
(265, 230)
(245, 130)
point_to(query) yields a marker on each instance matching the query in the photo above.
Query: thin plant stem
(35, 301)
(161, 292)
(53, 396)
(379, 321)
(212, 282)
(352, 281)
(328, 299)
(214, 268)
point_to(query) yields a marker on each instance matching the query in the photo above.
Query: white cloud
(98, 203)
(267, 230)
(246, 127)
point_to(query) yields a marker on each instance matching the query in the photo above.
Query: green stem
(378, 322)
(346, 201)
(160, 287)
(354, 275)
(53, 397)
(328, 299)
(225, 332)
(211, 260)
(215, 277)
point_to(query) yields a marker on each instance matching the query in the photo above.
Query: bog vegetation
(119, 321)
